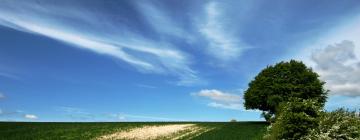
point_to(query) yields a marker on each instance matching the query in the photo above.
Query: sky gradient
(148, 60)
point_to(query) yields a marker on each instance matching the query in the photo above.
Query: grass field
(84, 131)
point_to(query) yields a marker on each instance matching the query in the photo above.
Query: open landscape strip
(149, 132)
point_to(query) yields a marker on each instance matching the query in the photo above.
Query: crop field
(132, 130)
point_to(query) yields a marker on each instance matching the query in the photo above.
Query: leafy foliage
(296, 118)
(340, 124)
(279, 83)
(292, 95)
(233, 120)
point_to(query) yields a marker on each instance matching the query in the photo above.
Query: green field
(80, 131)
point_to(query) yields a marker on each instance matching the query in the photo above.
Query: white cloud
(30, 116)
(120, 43)
(335, 55)
(222, 44)
(218, 95)
(233, 106)
(220, 99)
(339, 67)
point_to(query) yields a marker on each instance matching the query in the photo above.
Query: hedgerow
(340, 124)
(296, 118)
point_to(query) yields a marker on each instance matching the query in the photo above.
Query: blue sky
(153, 60)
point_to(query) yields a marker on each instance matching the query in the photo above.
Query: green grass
(84, 131)
(234, 131)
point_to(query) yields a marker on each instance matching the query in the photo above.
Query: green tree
(279, 83)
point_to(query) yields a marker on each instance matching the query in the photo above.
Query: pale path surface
(154, 132)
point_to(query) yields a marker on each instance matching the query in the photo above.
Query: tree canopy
(281, 82)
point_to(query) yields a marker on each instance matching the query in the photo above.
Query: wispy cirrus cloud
(76, 26)
(222, 43)
(161, 20)
(8, 75)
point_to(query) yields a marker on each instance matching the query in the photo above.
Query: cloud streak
(146, 55)
(222, 44)
(10, 76)
(161, 21)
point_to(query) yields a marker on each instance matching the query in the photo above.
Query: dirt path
(170, 131)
